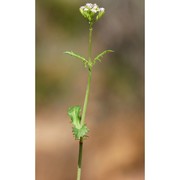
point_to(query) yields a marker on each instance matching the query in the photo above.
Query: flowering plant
(92, 13)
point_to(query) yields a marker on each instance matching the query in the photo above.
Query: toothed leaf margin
(98, 57)
(71, 53)
(82, 132)
(79, 131)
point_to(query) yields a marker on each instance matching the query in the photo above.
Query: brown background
(115, 116)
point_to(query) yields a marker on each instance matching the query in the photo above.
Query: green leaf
(76, 56)
(78, 129)
(82, 132)
(74, 114)
(98, 57)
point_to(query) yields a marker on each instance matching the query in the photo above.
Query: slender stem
(80, 159)
(89, 76)
(86, 98)
(85, 104)
(90, 41)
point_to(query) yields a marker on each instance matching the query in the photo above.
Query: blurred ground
(114, 149)
(115, 116)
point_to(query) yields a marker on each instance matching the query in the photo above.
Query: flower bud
(101, 13)
(92, 12)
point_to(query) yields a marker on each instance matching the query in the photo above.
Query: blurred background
(115, 115)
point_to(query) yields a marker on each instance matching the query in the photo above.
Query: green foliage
(98, 57)
(79, 131)
(76, 56)
(86, 62)
(82, 132)
(92, 13)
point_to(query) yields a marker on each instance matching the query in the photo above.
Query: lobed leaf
(82, 132)
(74, 114)
(76, 56)
(78, 129)
(98, 57)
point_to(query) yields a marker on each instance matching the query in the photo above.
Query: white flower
(94, 10)
(86, 9)
(95, 6)
(89, 5)
(101, 9)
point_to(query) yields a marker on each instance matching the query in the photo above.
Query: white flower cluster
(92, 12)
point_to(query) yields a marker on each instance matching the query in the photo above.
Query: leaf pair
(85, 61)
(79, 131)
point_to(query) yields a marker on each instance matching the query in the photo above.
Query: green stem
(89, 76)
(90, 41)
(86, 98)
(80, 159)
(85, 104)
